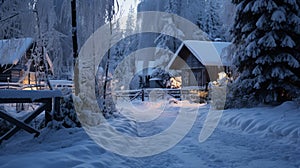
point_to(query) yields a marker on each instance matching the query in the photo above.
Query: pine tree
(210, 21)
(130, 27)
(201, 16)
(167, 42)
(123, 49)
(227, 17)
(266, 36)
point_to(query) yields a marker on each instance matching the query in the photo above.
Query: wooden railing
(144, 94)
(49, 101)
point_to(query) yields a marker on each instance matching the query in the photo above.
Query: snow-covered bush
(176, 82)
(237, 99)
(218, 97)
(224, 94)
(67, 116)
(218, 90)
(297, 100)
(198, 96)
(163, 75)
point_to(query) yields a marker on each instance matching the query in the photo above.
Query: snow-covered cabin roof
(155, 79)
(11, 50)
(207, 52)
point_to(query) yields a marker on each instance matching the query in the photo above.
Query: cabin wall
(193, 72)
(21, 72)
(14, 73)
(30, 78)
(10, 73)
(4, 76)
(200, 76)
(194, 77)
(213, 72)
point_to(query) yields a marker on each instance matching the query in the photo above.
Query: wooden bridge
(49, 99)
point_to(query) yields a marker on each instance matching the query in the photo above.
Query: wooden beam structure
(49, 99)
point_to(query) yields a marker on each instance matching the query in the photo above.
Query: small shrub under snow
(67, 116)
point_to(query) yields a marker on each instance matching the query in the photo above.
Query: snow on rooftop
(155, 79)
(11, 50)
(207, 52)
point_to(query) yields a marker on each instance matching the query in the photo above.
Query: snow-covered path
(233, 149)
(227, 147)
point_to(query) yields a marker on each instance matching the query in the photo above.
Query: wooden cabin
(199, 62)
(15, 64)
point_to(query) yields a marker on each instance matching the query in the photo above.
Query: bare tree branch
(10, 17)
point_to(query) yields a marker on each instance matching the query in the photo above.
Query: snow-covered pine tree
(130, 27)
(201, 15)
(164, 41)
(210, 20)
(123, 49)
(131, 41)
(227, 17)
(266, 36)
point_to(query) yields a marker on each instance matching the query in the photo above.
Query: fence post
(48, 111)
(143, 95)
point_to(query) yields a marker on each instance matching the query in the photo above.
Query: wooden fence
(159, 94)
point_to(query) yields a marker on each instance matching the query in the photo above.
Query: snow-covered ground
(256, 137)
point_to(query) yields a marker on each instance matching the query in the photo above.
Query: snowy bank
(280, 122)
(236, 142)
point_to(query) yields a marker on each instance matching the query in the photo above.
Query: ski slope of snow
(255, 137)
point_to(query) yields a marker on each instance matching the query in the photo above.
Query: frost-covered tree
(48, 22)
(210, 21)
(131, 41)
(164, 41)
(163, 75)
(201, 14)
(266, 38)
(121, 51)
(16, 19)
(227, 17)
(105, 99)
